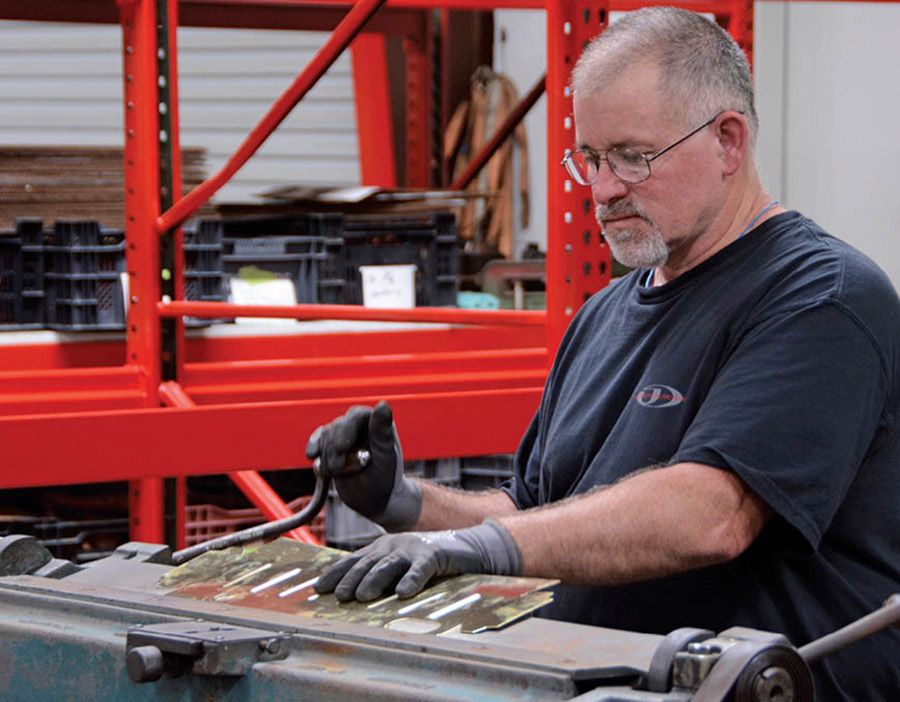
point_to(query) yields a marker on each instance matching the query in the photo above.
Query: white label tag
(270, 292)
(392, 287)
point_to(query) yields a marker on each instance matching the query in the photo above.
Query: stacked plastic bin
(82, 277)
(322, 253)
(204, 279)
(428, 241)
(31, 313)
(281, 248)
(10, 278)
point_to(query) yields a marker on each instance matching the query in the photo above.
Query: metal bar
(70, 380)
(251, 483)
(502, 134)
(578, 260)
(289, 14)
(374, 122)
(233, 343)
(170, 244)
(343, 34)
(139, 45)
(374, 386)
(45, 351)
(146, 497)
(739, 23)
(213, 440)
(443, 338)
(888, 615)
(213, 310)
(368, 366)
(418, 64)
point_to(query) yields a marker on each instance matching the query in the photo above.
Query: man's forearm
(447, 508)
(657, 523)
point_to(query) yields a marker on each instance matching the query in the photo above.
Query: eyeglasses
(628, 165)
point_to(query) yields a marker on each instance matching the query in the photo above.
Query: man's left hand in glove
(405, 563)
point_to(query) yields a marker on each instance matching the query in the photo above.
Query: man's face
(655, 222)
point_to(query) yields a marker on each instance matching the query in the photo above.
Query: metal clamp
(203, 648)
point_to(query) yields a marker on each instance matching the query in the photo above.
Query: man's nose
(608, 186)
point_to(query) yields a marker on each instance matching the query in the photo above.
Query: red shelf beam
(440, 315)
(132, 444)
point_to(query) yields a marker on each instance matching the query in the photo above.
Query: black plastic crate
(290, 247)
(79, 302)
(10, 279)
(318, 224)
(10, 305)
(430, 242)
(204, 258)
(10, 263)
(295, 258)
(76, 232)
(202, 232)
(31, 232)
(32, 309)
(204, 286)
(90, 249)
(76, 286)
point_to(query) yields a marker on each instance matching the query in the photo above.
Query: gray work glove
(379, 491)
(411, 560)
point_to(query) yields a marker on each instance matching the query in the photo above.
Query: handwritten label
(392, 287)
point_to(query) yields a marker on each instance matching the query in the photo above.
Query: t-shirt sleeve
(793, 411)
(522, 488)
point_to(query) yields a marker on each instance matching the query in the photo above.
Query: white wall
(829, 104)
(841, 107)
(62, 86)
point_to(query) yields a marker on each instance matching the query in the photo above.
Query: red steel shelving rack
(162, 406)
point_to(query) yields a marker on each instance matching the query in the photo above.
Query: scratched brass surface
(465, 603)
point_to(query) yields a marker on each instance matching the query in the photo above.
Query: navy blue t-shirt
(777, 359)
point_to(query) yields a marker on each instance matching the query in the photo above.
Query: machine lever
(262, 531)
(888, 615)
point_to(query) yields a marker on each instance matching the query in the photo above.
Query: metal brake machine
(245, 623)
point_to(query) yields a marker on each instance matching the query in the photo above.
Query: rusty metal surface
(279, 576)
(531, 659)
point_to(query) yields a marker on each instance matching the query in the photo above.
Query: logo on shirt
(659, 396)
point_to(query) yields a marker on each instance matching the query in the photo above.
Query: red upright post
(740, 25)
(139, 46)
(173, 341)
(578, 260)
(418, 109)
(374, 122)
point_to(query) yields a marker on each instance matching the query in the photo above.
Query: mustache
(622, 208)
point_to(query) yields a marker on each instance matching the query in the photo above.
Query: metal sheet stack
(54, 183)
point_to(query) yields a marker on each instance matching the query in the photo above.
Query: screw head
(272, 646)
(774, 684)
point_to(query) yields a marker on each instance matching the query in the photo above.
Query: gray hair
(703, 70)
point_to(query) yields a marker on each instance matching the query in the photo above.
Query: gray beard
(637, 249)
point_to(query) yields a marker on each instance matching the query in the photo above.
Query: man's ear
(734, 140)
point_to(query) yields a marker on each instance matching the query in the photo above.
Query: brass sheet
(465, 603)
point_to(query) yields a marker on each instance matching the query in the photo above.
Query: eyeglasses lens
(629, 165)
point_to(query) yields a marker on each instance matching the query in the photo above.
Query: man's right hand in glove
(379, 491)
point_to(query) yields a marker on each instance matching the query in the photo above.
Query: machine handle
(888, 615)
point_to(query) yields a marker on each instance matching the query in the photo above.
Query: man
(717, 442)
